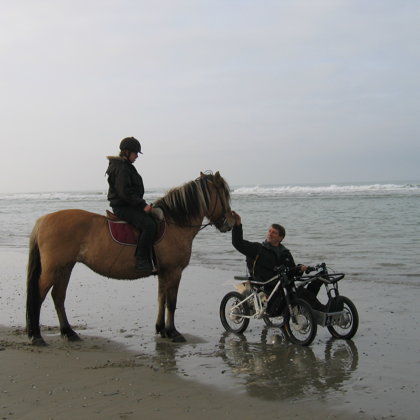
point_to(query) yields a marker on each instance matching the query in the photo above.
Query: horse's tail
(33, 296)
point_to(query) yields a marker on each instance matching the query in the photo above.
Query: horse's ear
(217, 175)
(201, 174)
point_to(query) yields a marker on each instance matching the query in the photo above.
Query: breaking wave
(332, 189)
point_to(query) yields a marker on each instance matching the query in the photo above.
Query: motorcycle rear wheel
(231, 315)
(303, 329)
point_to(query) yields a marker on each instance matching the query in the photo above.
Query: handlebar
(318, 267)
(321, 269)
(322, 274)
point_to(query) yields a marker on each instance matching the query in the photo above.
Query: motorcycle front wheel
(348, 323)
(300, 327)
(232, 313)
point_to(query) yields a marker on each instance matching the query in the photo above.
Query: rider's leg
(314, 287)
(144, 245)
(146, 224)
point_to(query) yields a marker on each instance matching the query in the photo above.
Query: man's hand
(237, 218)
(148, 208)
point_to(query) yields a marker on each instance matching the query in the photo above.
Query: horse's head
(218, 209)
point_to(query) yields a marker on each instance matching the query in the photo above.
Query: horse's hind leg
(36, 296)
(33, 317)
(58, 294)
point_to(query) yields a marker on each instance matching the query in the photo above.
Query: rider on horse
(125, 196)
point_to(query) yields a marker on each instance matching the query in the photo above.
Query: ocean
(370, 231)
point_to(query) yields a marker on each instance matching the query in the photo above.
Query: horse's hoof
(179, 339)
(73, 337)
(161, 332)
(38, 342)
(70, 335)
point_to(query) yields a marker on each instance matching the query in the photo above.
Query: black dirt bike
(285, 302)
(339, 314)
(273, 300)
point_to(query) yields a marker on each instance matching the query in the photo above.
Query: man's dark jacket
(125, 184)
(268, 256)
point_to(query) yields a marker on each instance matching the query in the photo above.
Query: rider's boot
(317, 305)
(143, 260)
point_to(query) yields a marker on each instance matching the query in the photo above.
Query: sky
(266, 92)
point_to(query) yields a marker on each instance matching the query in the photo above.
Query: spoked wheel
(301, 327)
(342, 355)
(273, 322)
(231, 313)
(347, 325)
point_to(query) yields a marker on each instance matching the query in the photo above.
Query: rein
(201, 226)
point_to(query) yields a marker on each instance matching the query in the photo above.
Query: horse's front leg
(160, 321)
(168, 293)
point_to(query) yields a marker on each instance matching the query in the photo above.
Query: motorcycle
(339, 315)
(271, 301)
(286, 302)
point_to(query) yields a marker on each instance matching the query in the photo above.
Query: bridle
(217, 223)
(222, 219)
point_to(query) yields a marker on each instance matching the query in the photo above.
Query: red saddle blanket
(126, 234)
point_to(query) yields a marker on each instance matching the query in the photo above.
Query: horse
(61, 239)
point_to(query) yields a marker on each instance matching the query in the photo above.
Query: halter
(222, 219)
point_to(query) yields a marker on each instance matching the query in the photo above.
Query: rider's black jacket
(263, 257)
(125, 184)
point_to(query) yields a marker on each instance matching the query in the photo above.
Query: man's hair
(280, 229)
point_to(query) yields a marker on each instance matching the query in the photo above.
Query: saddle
(126, 234)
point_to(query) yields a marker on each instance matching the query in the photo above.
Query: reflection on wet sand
(270, 368)
(274, 369)
(166, 355)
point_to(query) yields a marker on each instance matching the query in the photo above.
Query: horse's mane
(192, 199)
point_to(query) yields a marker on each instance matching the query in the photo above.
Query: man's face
(273, 237)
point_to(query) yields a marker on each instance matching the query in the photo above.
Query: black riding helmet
(131, 144)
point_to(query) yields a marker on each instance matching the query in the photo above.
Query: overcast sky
(267, 92)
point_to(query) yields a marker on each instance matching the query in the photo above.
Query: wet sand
(99, 379)
(122, 370)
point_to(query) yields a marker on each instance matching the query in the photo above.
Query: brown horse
(62, 238)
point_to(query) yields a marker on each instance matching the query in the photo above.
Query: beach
(98, 379)
(121, 369)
